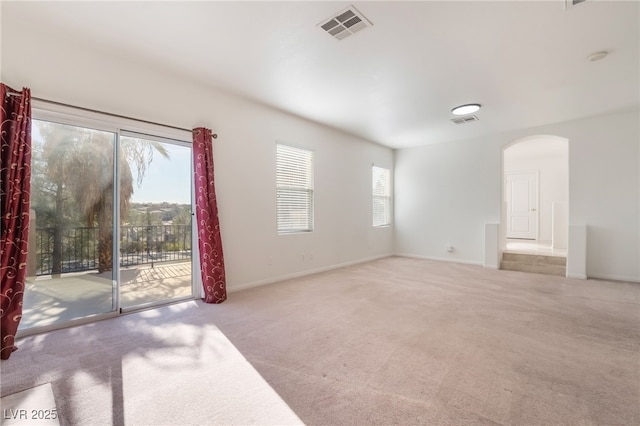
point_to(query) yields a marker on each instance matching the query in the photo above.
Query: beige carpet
(167, 366)
(395, 341)
(414, 342)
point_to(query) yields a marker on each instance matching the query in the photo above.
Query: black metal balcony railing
(78, 247)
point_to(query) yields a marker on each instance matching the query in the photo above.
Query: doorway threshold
(542, 248)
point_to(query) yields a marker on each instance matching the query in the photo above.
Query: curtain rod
(214, 135)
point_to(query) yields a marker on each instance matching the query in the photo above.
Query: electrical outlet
(450, 248)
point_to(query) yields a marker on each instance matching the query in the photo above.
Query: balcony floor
(49, 300)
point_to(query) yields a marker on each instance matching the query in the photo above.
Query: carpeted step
(534, 259)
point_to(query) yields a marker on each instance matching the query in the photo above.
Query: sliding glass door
(110, 223)
(70, 270)
(155, 229)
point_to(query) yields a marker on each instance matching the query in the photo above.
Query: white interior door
(522, 205)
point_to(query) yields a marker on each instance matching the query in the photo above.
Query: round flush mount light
(597, 56)
(465, 109)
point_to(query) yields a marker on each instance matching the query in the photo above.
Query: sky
(166, 180)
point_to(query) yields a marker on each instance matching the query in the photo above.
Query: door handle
(533, 210)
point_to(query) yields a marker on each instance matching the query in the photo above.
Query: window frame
(306, 175)
(385, 198)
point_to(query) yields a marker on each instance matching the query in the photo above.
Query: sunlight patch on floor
(32, 406)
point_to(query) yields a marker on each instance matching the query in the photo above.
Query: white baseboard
(608, 277)
(259, 283)
(441, 259)
(252, 284)
(577, 276)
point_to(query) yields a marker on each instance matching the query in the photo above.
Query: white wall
(81, 74)
(553, 185)
(446, 192)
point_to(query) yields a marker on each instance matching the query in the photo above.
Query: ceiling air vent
(345, 23)
(465, 119)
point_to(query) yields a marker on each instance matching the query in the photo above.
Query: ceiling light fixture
(465, 109)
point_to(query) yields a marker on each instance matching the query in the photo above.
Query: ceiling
(394, 83)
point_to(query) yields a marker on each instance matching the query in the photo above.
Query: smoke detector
(345, 23)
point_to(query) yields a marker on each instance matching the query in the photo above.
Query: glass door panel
(70, 264)
(155, 226)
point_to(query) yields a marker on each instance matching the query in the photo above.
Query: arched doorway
(535, 196)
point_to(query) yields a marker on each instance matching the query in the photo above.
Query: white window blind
(381, 196)
(294, 181)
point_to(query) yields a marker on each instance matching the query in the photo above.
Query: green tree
(54, 202)
(80, 166)
(182, 226)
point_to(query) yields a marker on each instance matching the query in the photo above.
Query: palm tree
(92, 186)
(51, 174)
(81, 163)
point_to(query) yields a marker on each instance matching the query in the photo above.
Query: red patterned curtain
(15, 185)
(209, 240)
